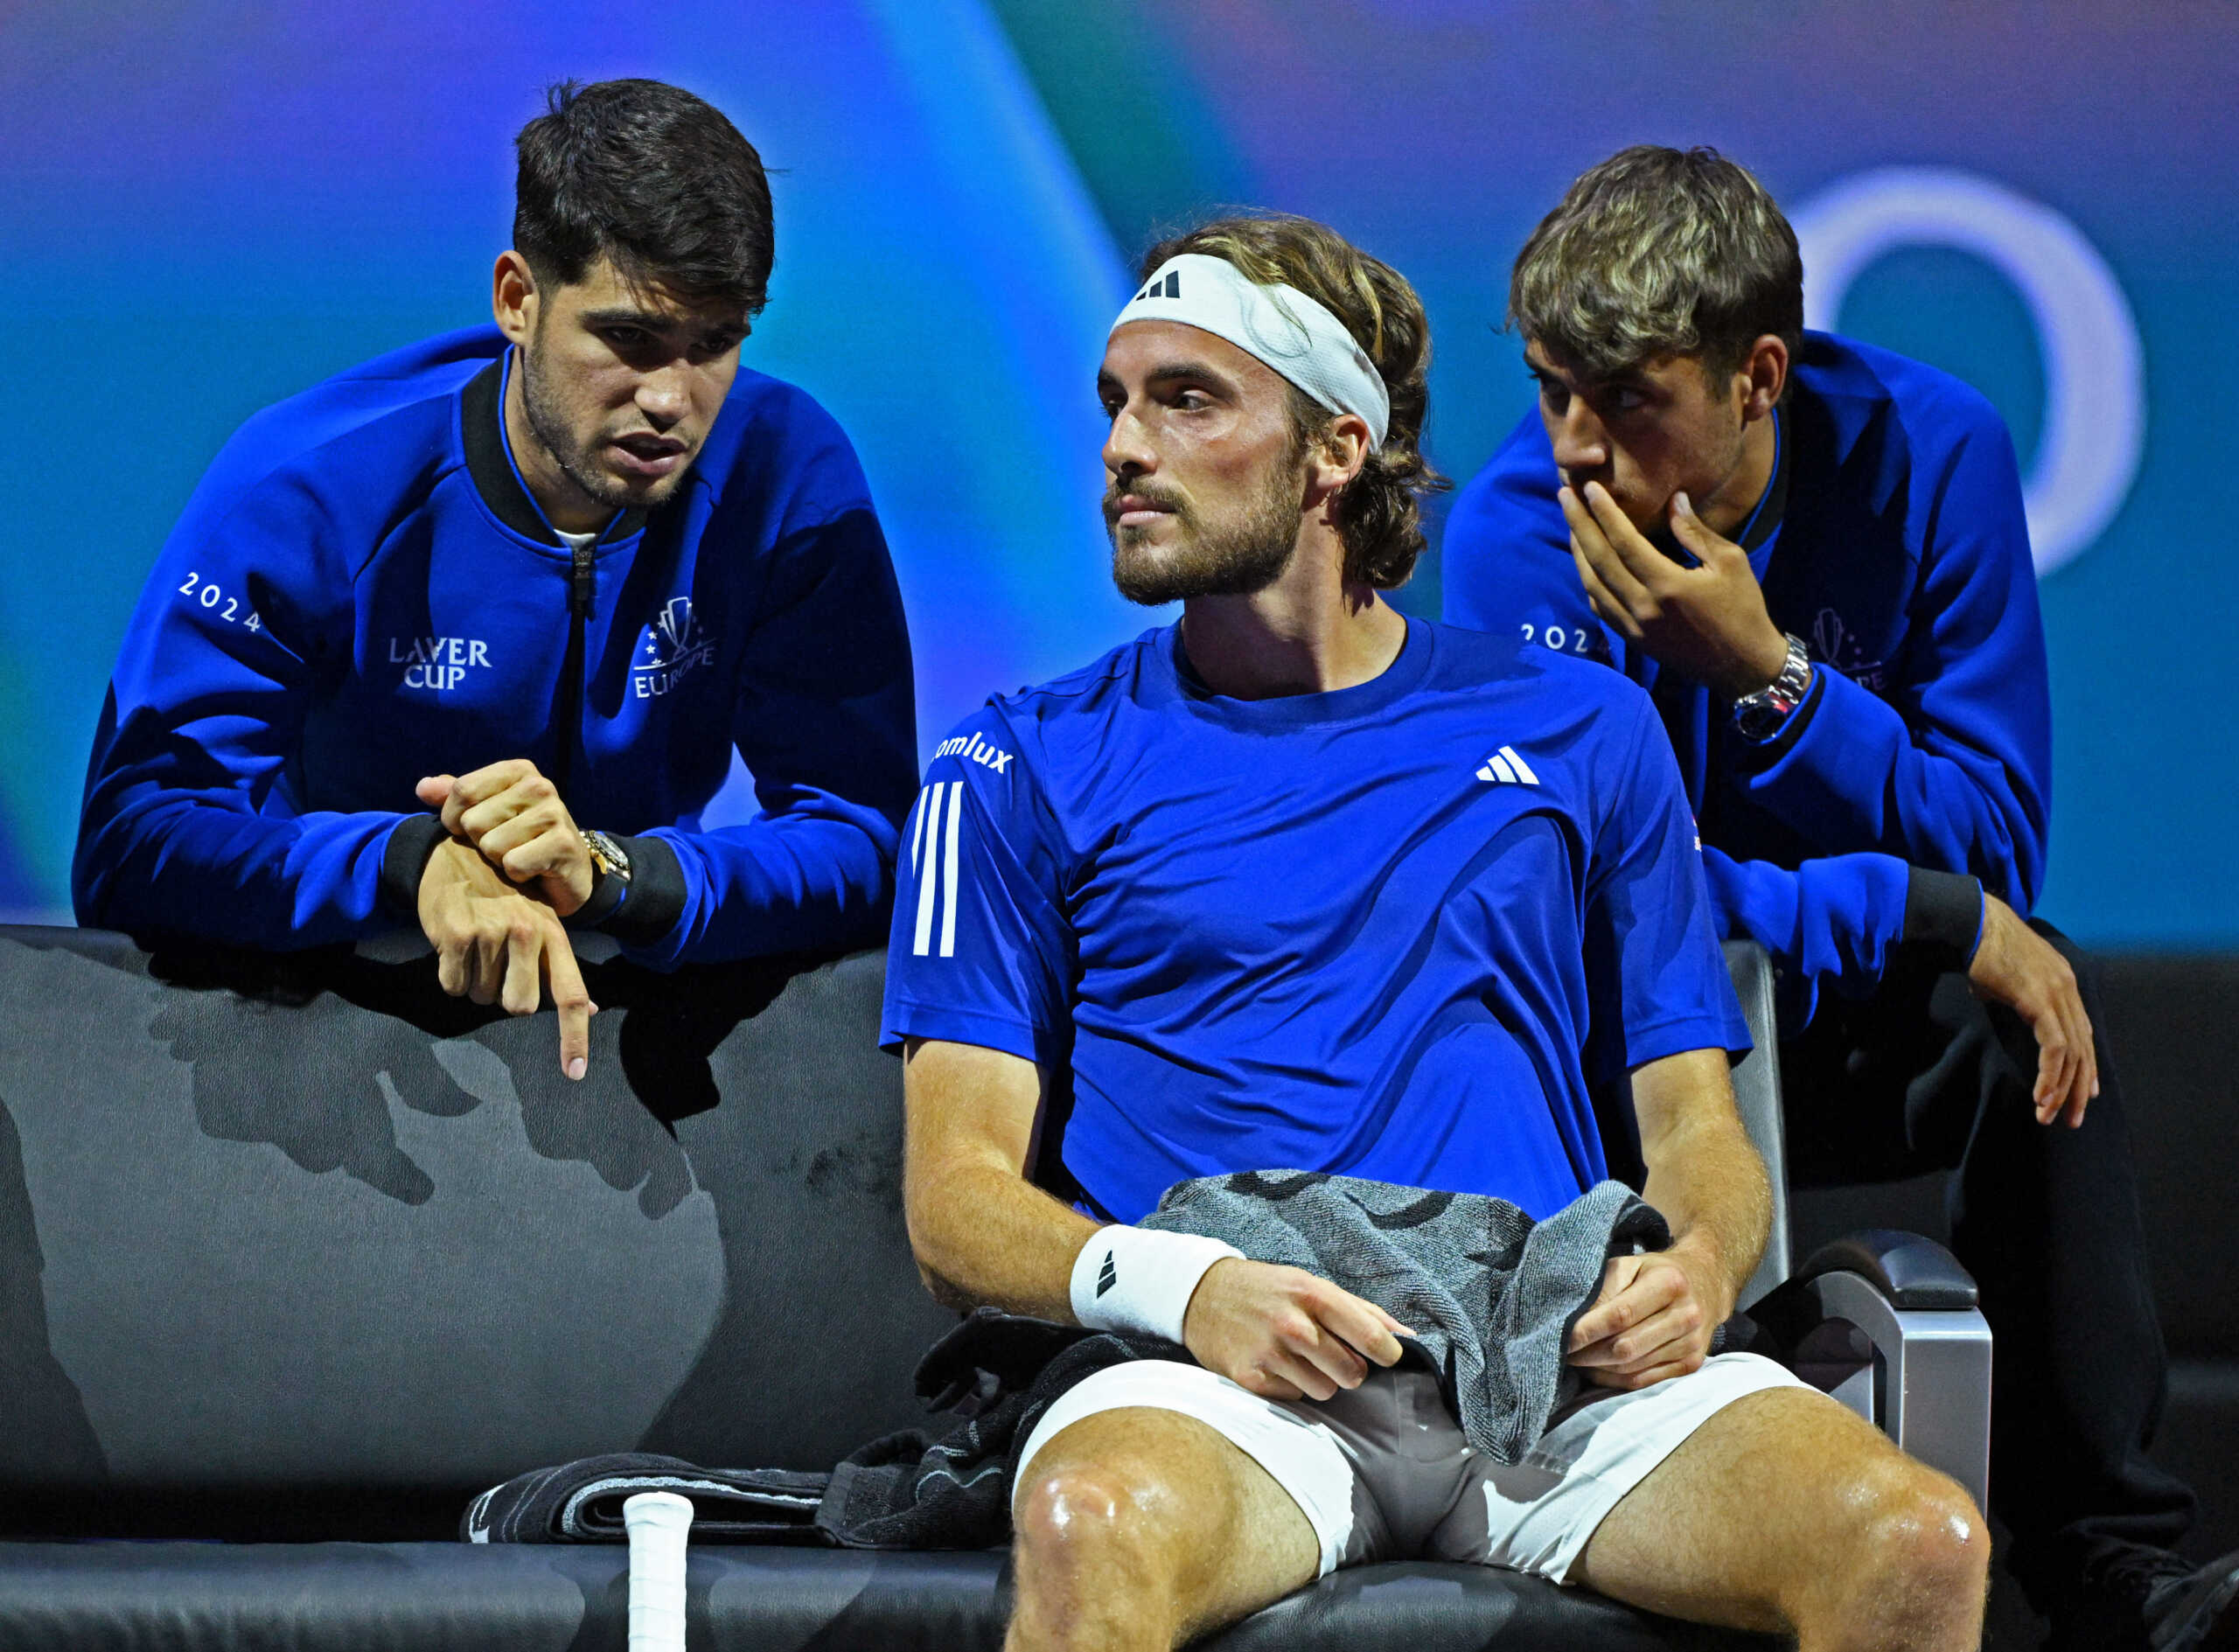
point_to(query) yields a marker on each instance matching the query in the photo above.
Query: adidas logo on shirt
(1504, 767)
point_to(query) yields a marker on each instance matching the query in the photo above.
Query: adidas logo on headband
(1277, 324)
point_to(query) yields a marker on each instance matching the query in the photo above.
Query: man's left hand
(1653, 1319)
(513, 815)
(1708, 623)
(2016, 966)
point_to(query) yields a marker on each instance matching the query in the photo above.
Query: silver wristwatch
(1759, 716)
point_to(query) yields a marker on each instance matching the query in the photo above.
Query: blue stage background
(203, 208)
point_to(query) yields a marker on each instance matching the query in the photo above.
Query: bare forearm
(984, 1235)
(1710, 1184)
(1703, 1173)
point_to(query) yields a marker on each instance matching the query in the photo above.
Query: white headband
(1279, 325)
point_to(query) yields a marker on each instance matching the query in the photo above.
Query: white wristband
(1140, 1278)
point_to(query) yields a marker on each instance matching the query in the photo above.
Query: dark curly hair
(650, 177)
(1379, 513)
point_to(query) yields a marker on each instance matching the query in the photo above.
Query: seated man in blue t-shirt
(1301, 884)
(1812, 554)
(466, 637)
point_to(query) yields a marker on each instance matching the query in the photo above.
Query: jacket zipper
(570, 725)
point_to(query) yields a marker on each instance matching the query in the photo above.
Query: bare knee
(1925, 1531)
(1914, 1571)
(1079, 1514)
(1094, 1569)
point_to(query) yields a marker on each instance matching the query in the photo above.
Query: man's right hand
(2016, 966)
(1283, 1334)
(495, 944)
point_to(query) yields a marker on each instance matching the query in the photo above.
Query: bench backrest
(301, 1245)
(305, 1233)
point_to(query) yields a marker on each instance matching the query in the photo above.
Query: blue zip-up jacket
(361, 593)
(1891, 540)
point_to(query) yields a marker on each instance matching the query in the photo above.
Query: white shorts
(1382, 1473)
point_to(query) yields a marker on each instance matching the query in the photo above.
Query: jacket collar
(1772, 505)
(491, 466)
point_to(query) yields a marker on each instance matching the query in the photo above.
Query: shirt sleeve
(1833, 922)
(825, 722)
(1952, 771)
(190, 823)
(1651, 938)
(981, 949)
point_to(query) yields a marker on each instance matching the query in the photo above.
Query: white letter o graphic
(2095, 373)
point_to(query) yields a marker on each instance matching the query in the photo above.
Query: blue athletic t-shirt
(1395, 931)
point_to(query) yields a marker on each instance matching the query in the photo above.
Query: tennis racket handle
(659, 1523)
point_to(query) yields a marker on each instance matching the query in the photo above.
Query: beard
(548, 420)
(1243, 553)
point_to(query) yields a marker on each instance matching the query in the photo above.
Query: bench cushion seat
(369, 1597)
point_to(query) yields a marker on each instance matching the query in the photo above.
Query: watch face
(606, 854)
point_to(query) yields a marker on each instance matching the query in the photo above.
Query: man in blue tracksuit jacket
(1813, 555)
(466, 636)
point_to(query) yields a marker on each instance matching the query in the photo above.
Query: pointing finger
(573, 1002)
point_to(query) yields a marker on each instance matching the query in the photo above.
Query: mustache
(1149, 494)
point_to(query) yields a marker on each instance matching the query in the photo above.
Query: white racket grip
(659, 1524)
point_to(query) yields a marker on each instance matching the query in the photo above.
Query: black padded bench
(297, 1254)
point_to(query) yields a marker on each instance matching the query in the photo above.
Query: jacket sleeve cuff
(652, 905)
(405, 862)
(1943, 916)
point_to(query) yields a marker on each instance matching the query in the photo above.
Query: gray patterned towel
(1491, 1294)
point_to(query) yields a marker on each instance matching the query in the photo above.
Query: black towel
(582, 1502)
(994, 1375)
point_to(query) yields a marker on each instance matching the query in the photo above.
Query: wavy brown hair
(1659, 252)
(1379, 513)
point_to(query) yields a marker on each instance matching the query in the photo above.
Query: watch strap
(1760, 715)
(611, 873)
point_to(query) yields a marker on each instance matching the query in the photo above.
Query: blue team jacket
(1893, 541)
(360, 593)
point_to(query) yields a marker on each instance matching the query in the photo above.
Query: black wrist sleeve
(1943, 916)
(655, 900)
(405, 862)
(608, 892)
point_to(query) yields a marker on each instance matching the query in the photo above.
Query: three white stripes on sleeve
(932, 863)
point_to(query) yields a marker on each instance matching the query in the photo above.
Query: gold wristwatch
(608, 857)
